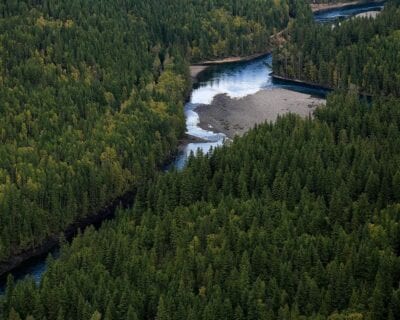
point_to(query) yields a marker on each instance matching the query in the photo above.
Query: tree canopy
(359, 54)
(91, 98)
(298, 219)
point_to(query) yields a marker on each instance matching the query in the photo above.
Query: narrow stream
(236, 80)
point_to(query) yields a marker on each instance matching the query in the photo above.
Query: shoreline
(16, 261)
(197, 68)
(195, 71)
(234, 117)
(25, 256)
(301, 82)
(232, 59)
(311, 84)
(322, 7)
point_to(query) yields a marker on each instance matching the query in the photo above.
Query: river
(240, 79)
(236, 80)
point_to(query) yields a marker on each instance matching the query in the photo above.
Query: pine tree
(162, 310)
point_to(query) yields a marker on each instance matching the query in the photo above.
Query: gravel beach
(237, 116)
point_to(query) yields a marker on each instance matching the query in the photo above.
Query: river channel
(237, 80)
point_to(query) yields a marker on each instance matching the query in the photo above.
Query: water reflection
(236, 80)
(347, 12)
(240, 79)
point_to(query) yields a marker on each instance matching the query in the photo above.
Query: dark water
(34, 268)
(347, 12)
(236, 80)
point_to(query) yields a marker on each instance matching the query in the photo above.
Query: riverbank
(234, 117)
(232, 59)
(295, 81)
(320, 7)
(286, 80)
(197, 68)
(53, 241)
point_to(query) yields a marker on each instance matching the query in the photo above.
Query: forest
(298, 219)
(359, 54)
(92, 98)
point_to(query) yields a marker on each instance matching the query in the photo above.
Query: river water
(348, 12)
(236, 80)
(240, 79)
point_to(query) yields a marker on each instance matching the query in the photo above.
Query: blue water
(240, 79)
(347, 12)
(236, 80)
(34, 268)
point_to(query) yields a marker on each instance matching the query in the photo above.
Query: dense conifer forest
(92, 98)
(359, 54)
(298, 219)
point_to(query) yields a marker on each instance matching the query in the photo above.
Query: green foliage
(92, 98)
(359, 54)
(205, 29)
(310, 238)
(296, 220)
